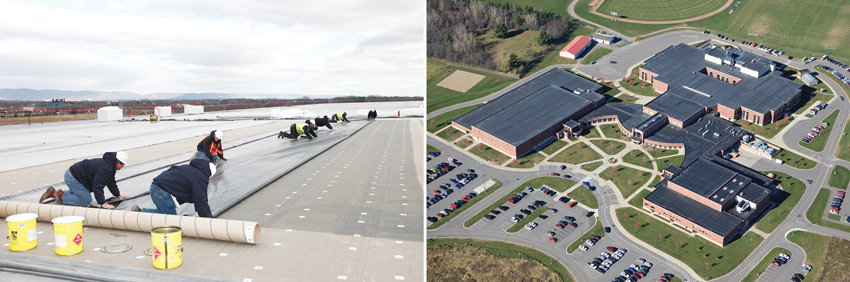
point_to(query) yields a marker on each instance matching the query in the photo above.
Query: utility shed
(162, 111)
(193, 110)
(109, 114)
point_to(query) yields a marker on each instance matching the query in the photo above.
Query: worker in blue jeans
(90, 176)
(182, 184)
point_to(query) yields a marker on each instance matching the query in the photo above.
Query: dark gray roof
(754, 193)
(757, 177)
(533, 107)
(703, 177)
(675, 106)
(572, 124)
(718, 222)
(629, 114)
(680, 66)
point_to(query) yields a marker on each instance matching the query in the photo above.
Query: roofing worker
(87, 176)
(210, 147)
(298, 129)
(324, 121)
(340, 117)
(182, 184)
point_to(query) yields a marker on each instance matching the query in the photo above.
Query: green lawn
(591, 132)
(597, 53)
(611, 130)
(584, 196)
(834, 217)
(840, 177)
(633, 84)
(469, 204)
(637, 200)
(450, 134)
(786, 200)
(768, 130)
(527, 161)
(622, 176)
(793, 160)
(527, 219)
(465, 142)
(651, 10)
(592, 166)
(575, 154)
(507, 250)
(555, 6)
(637, 157)
(439, 97)
(489, 154)
(627, 99)
(582, 9)
(430, 148)
(693, 251)
(654, 181)
(554, 56)
(554, 147)
(815, 246)
(441, 121)
(657, 153)
(606, 146)
(596, 230)
(843, 150)
(808, 100)
(817, 209)
(665, 162)
(761, 266)
(519, 42)
(819, 142)
(560, 184)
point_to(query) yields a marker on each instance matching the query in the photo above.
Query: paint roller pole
(198, 227)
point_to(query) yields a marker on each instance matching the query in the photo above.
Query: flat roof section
(703, 177)
(675, 106)
(715, 221)
(537, 105)
(630, 115)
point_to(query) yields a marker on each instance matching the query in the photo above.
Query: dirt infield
(461, 81)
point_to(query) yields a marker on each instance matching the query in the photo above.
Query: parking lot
(449, 193)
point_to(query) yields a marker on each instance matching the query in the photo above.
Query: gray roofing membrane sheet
(687, 208)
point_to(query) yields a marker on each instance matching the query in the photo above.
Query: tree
(614, 168)
(786, 116)
(514, 61)
(500, 31)
(543, 38)
(640, 172)
(448, 38)
(644, 159)
(632, 153)
(630, 182)
(517, 20)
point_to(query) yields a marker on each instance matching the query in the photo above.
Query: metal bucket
(22, 234)
(68, 232)
(167, 247)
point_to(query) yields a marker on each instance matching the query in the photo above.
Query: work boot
(135, 208)
(280, 135)
(59, 196)
(47, 194)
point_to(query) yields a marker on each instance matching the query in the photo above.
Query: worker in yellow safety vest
(298, 129)
(340, 117)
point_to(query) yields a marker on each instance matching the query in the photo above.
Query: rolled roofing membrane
(198, 227)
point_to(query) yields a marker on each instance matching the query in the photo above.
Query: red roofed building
(576, 47)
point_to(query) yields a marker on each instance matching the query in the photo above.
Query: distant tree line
(454, 28)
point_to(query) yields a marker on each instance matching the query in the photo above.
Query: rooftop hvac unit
(162, 111)
(193, 110)
(109, 114)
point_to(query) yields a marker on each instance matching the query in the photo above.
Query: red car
(559, 226)
(553, 240)
(572, 204)
(556, 174)
(453, 205)
(573, 224)
(774, 263)
(436, 191)
(840, 192)
(612, 249)
(512, 201)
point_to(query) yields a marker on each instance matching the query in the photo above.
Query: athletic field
(659, 10)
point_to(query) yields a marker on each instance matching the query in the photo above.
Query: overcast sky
(335, 47)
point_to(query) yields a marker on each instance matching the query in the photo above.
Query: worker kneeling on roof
(340, 117)
(324, 121)
(298, 129)
(210, 147)
(182, 184)
(90, 176)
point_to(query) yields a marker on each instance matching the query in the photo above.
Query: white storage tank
(109, 114)
(193, 110)
(162, 111)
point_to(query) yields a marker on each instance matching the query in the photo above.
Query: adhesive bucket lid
(21, 217)
(68, 219)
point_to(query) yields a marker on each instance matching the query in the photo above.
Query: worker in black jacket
(90, 176)
(340, 117)
(210, 147)
(298, 129)
(324, 121)
(182, 184)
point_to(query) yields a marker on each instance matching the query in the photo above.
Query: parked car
(553, 239)
(490, 216)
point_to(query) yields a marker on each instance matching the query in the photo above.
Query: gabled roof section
(576, 45)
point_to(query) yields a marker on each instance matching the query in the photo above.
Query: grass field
(489, 154)
(819, 142)
(793, 160)
(611, 130)
(786, 200)
(768, 130)
(636, 157)
(764, 263)
(693, 251)
(836, 263)
(432, 148)
(441, 121)
(808, 100)
(554, 56)
(582, 9)
(584, 196)
(815, 246)
(517, 42)
(465, 142)
(439, 97)
(655, 181)
(595, 230)
(665, 162)
(575, 154)
(597, 53)
(840, 177)
(657, 153)
(450, 259)
(833, 217)
(609, 146)
(450, 134)
(555, 6)
(591, 133)
(554, 147)
(466, 206)
(637, 200)
(633, 84)
(622, 176)
(591, 166)
(818, 207)
(653, 10)
(527, 161)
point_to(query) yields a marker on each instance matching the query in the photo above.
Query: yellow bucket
(167, 247)
(22, 234)
(68, 232)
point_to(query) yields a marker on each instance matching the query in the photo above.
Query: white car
(641, 260)
(647, 264)
(590, 242)
(583, 247)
